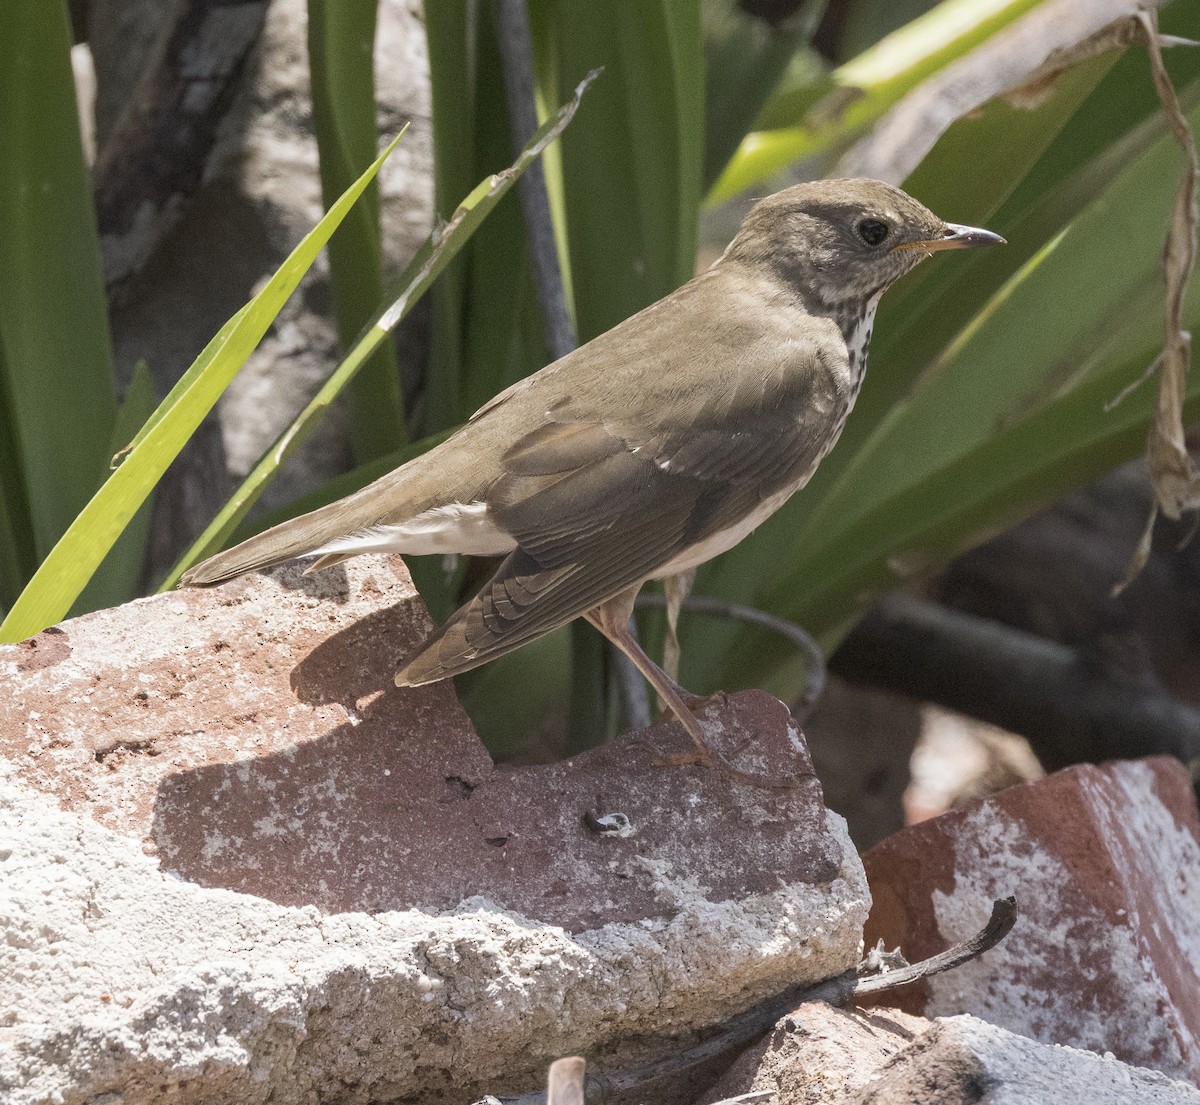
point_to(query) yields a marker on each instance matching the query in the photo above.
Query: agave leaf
(88, 539)
(56, 372)
(341, 41)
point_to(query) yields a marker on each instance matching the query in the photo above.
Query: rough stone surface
(234, 868)
(819, 1052)
(1105, 865)
(961, 1060)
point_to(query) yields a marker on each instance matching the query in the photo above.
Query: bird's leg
(612, 619)
(676, 589)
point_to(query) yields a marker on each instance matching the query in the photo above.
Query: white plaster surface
(1070, 943)
(116, 979)
(1019, 1071)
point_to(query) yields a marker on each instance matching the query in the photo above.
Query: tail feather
(280, 543)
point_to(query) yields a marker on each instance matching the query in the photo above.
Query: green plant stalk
(451, 33)
(744, 53)
(341, 38)
(18, 560)
(89, 538)
(57, 373)
(129, 550)
(633, 240)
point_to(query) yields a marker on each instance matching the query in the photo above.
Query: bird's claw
(712, 758)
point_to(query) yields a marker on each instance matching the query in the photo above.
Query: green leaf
(57, 374)
(745, 58)
(817, 121)
(17, 556)
(341, 39)
(632, 238)
(72, 562)
(122, 569)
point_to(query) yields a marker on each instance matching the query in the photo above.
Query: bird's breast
(856, 330)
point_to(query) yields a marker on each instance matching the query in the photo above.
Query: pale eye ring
(873, 231)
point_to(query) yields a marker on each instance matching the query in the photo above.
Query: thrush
(649, 450)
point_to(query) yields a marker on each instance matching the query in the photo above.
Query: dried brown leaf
(1175, 478)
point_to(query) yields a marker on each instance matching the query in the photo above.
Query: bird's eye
(873, 231)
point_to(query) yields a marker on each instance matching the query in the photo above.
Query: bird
(650, 449)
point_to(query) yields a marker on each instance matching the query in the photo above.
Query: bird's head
(844, 241)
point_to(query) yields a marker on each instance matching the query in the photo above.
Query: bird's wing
(596, 507)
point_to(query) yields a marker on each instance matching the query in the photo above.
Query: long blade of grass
(56, 369)
(485, 329)
(88, 539)
(749, 54)
(437, 252)
(121, 570)
(341, 38)
(452, 35)
(17, 558)
(633, 240)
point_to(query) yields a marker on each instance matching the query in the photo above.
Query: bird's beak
(956, 237)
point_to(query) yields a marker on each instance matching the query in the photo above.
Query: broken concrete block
(962, 1060)
(819, 1053)
(239, 864)
(1105, 866)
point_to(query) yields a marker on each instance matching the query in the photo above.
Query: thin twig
(1000, 923)
(814, 658)
(650, 1083)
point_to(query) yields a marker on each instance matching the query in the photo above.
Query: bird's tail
(286, 541)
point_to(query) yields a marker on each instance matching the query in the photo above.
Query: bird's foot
(695, 703)
(753, 779)
(705, 753)
(699, 702)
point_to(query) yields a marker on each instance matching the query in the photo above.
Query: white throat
(858, 342)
